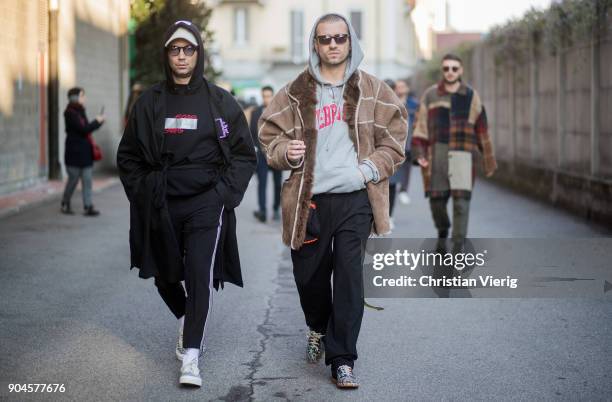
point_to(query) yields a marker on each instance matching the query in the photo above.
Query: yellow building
(265, 41)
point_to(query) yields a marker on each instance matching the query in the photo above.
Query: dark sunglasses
(188, 50)
(326, 39)
(446, 69)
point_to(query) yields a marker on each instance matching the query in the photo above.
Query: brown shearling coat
(377, 126)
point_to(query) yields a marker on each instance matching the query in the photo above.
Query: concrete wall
(550, 118)
(23, 45)
(92, 53)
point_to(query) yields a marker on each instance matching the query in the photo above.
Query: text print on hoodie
(337, 169)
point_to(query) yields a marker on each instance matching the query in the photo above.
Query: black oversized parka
(143, 163)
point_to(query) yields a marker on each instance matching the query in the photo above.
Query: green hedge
(561, 25)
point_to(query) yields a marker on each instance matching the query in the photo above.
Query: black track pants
(197, 223)
(345, 221)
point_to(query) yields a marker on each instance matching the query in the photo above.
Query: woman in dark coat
(78, 155)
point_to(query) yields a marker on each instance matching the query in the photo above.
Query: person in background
(402, 175)
(411, 102)
(262, 165)
(78, 152)
(451, 129)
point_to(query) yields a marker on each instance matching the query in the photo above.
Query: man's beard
(336, 63)
(447, 82)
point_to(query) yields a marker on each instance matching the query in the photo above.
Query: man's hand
(100, 118)
(422, 162)
(295, 150)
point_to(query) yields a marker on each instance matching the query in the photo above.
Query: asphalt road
(72, 313)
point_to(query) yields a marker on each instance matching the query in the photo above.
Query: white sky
(481, 15)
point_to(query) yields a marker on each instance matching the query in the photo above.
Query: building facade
(266, 41)
(429, 17)
(49, 46)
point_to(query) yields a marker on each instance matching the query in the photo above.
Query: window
(297, 36)
(241, 26)
(356, 22)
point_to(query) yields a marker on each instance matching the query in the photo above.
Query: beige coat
(377, 126)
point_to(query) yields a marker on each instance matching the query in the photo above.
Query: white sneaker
(190, 374)
(180, 350)
(404, 198)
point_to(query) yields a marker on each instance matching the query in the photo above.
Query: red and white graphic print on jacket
(180, 123)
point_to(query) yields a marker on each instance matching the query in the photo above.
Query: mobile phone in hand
(102, 110)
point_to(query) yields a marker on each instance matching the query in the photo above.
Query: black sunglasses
(446, 69)
(188, 50)
(326, 39)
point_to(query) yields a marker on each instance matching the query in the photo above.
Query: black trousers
(197, 224)
(335, 308)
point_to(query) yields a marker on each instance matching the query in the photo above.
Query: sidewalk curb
(51, 197)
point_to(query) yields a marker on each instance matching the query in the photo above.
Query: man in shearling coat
(342, 133)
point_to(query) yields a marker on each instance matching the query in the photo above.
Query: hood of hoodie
(197, 78)
(354, 59)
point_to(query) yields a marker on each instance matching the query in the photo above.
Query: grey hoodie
(336, 168)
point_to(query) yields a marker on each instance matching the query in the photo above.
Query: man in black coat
(78, 151)
(185, 161)
(267, 93)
